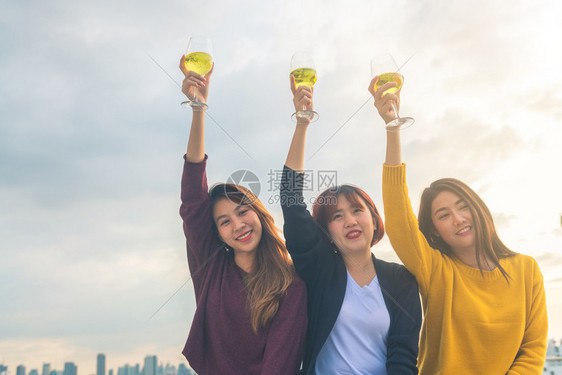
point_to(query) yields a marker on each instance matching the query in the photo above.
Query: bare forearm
(393, 148)
(295, 157)
(196, 144)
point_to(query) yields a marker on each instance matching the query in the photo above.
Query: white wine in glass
(198, 59)
(386, 69)
(304, 71)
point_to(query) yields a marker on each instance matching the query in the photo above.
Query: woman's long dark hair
(486, 238)
(273, 270)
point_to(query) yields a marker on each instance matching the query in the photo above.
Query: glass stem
(395, 111)
(195, 95)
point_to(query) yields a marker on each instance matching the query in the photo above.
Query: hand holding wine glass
(303, 78)
(385, 87)
(386, 102)
(197, 66)
(302, 100)
(195, 85)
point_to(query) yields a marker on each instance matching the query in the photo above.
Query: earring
(227, 248)
(334, 246)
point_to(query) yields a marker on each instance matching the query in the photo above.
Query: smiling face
(238, 225)
(351, 226)
(452, 219)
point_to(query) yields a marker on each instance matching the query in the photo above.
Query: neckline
(373, 281)
(476, 272)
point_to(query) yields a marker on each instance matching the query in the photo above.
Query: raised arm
(193, 81)
(302, 97)
(401, 224)
(383, 103)
(195, 209)
(304, 237)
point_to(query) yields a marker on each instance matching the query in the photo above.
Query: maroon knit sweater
(221, 339)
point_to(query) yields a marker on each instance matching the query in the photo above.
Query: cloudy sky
(92, 138)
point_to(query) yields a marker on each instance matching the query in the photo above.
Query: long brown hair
(325, 205)
(486, 241)
(273, 270)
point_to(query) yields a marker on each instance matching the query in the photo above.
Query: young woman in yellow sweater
(484, 305)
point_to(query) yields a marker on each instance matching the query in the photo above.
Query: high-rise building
(33, 372)
(110, 372)
(149, 365)
(3, 370)
(101, 364)
(70, 369)
(183, 370)
(553, 363)
(20, 370)
(46, 369)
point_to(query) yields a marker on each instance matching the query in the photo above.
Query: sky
(92, 256)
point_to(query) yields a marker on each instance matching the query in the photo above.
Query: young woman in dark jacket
(364, 313)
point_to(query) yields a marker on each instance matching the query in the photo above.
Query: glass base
(399, 123)
(310, 115)
(197, 106)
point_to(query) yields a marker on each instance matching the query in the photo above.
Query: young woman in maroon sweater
(251, 306)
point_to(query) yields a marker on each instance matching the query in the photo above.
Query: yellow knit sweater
(473, 324)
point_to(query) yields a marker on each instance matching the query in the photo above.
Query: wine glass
(387, 70)
(304, 71)
(198, 59)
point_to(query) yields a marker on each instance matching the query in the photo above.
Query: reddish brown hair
(325, 206)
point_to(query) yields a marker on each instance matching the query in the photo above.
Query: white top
(357, 343)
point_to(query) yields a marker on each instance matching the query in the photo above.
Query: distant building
(3, 370)
(110, 372)
(70, 369)
(100, 369)
(33, 372)
(553, 363)
(20, 370)
(183, 370)
(46, 369)
(149, 365)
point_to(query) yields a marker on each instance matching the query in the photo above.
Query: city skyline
(150, 367)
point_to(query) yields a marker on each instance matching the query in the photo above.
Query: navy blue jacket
(323, 270)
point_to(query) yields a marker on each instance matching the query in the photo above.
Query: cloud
(463, 147)
(553, 259)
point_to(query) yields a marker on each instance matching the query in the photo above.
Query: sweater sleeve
(284, 349)
(304, 237)
(401, 225)
(195, 210)
(531, 355)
